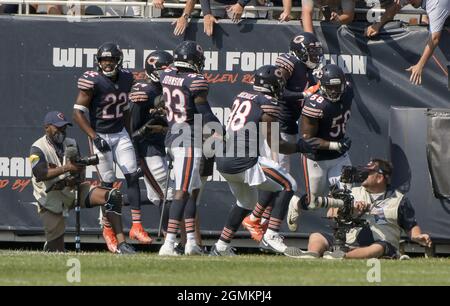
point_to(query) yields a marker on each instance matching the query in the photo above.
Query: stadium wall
(42, 58)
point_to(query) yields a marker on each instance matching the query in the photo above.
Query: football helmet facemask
(332, 82)
(109, 59)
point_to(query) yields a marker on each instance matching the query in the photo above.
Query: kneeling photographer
(369, 223)
(58, 172)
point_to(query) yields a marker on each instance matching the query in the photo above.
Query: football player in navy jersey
(103, 98)
(325, 115)
(185, 92)
(245, 170)
(149, 127)
(305, 54)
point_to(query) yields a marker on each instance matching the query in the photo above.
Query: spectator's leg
(373, 251)
(318, 244)
(54, 10)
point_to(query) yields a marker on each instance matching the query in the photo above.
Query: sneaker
(168, 249)
(229, 251)
(297, 253)
(338, 254)
(138, 233)
(254, 227)
(110, 239)
(272, 244)
(125, 249)
(191, 248)
(293, 213)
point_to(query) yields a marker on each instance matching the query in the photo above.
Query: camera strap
(375, 202)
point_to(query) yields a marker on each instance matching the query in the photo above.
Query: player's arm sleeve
(271, 110)
(86, 85)
(87, 81)
(135, 116)
(284, 61)
(199, 88)
(138, 94)
(203, 108)
(311, 109)
(406, 215)
(38, 163)
(311, 79)
(289, 95)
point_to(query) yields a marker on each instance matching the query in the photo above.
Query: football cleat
(254, 227)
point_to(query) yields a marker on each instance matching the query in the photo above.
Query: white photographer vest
(56, 200)
(383, 216)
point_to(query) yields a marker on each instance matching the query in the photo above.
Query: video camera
(345, 219)
(353, 175)
(340, 198)
(71, 153)
(87, 160)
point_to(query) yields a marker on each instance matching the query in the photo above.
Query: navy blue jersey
(143, 96)
(243, 131)
(179, 92)
(109, 100)
(332, 117)
(299, 78)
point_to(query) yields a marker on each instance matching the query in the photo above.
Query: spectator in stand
(122, 10)
(437, 11)
(338, 11)
(181, 22)
(14, 8)
(234, 11)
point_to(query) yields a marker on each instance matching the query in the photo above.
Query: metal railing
(147, 9)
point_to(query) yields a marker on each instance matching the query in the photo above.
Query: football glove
(101, 144)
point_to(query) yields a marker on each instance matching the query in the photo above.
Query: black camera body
(72, 154)
(353, 175)
(344, 212)
(87, 160)
(345, 220)
(83, 161)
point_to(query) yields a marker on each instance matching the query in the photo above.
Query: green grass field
(35, 268)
